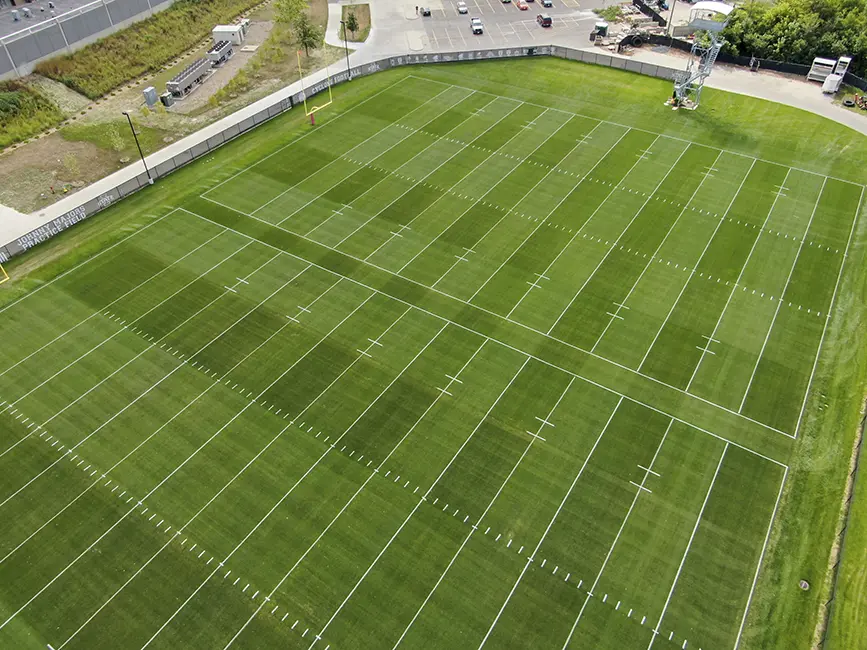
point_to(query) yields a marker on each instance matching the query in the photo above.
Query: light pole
(135, 137)
(346, 48)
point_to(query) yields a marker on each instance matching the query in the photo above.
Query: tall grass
(143, 47)
(24, 112)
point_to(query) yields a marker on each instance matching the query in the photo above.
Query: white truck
(476, 25)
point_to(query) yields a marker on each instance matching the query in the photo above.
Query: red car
(523, 6)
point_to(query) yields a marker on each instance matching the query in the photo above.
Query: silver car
(462, 7)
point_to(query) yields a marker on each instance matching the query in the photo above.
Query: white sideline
(830, 311)
(490, 505)
(688, 545)
(696, 265)
(152, 345)
(655, 252)
(638, 492)
(298, 482)
(782, 297)
(215, 382)
(154, 489)
(737, 282)
(547, 363)
(619, 237)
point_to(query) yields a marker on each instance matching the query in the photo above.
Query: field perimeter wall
(209, 138)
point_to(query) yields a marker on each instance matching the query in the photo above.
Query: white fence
(244, 124)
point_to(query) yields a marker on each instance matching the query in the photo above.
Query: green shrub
(24, 112)
(143, 47)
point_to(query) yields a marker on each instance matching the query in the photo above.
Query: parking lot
(504, 23)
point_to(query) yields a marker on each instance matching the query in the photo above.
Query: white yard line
(611, 548)
(653, 255)
(662, 135)
(113, 302)
(559, 203)
(87, 261)
(696, 265)
(153, 386)
(475, 526)
(529, 329)
(178, 468)
(761, 558)
(737, 282)
(828, 315)
(311, 132)
(437, 140)
(580, 230)
(617, 241)
(413, 186)
(363, 142)
(782, 298)
(686, 551)
(291, 489)
(378, 468)
(240, 472)
(177, 414)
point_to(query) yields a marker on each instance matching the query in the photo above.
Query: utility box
(233, 33)
(220, 53)
(150, 96)
(167, 99)
(187, 80)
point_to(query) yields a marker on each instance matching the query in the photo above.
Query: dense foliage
(143, 47)
(799, 30)
(24, 112)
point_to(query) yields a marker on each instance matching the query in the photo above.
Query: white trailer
(233, 33)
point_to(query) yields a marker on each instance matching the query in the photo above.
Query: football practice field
(450, 370)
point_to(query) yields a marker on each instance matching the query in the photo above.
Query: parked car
(548, 3)
(523, 6)
(425, 11)
(506, 1)
(462, 7)
(544, 20)
(476, 25)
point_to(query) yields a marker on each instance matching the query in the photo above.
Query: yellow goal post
(309, 111)
(4, 277)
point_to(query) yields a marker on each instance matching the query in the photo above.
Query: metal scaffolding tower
(707, 20)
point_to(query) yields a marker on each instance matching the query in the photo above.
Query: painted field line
(583, 225)
(298, 482)
(490, 505)
(369, 165)
(653, 255)
(830, 311)
(308, 133)
(174, 471)
(737, 283)
(249, 464)
(611, 548)
(87, 261)
(782, 297)
(559, 203)
(352, 498)
(152, 345)
(547, 363)
(113, 302)
(416, 183)
(402, 165)
(696, 266)
(123, 328)
(617, 241)
(686, 551)
(189, 404)
(662, 135)
(761, 558)
(532, 557)
(363, 142)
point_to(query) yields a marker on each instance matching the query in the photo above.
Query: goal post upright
(310, 111)
(4, 277)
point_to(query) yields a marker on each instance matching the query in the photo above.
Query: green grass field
(467, 365)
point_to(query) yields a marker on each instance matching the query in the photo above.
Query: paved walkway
(397, 30)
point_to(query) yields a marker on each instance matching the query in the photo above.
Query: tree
(351, 23)
(288, 11)
(309, 35)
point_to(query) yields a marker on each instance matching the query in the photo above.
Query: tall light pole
(135, 137)
(346, 48)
